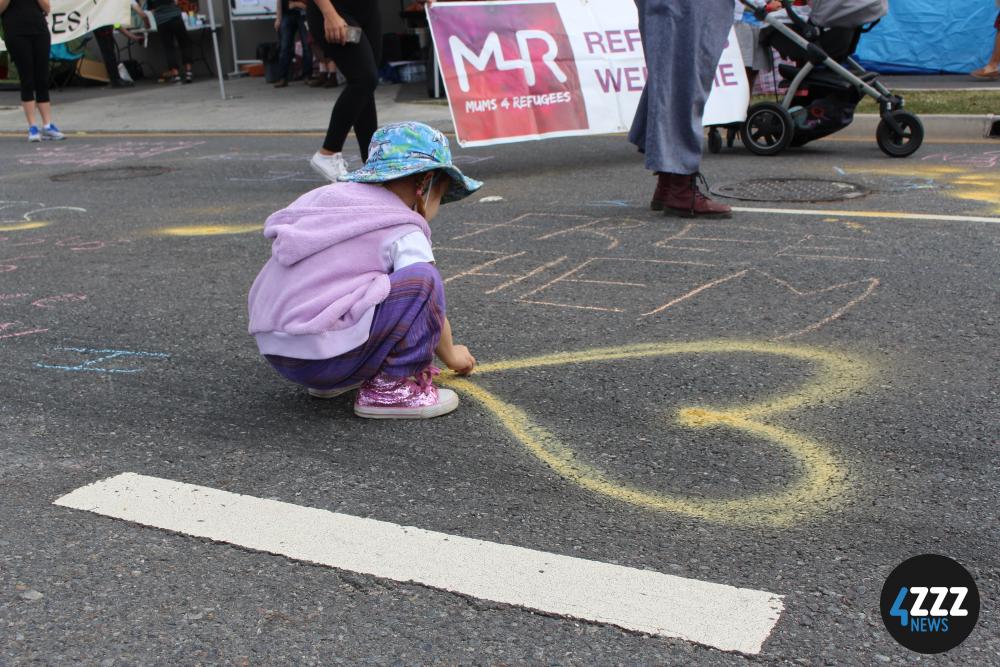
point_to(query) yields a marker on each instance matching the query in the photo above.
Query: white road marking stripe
(724, 617)
(897, 215)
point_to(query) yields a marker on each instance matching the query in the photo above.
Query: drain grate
(111, 174)
(790, 190)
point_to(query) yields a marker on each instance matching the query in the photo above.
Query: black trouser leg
(109, 52)
(23, 55)
(42, 43)
(30, 54)
(187, 46)
(168, 35)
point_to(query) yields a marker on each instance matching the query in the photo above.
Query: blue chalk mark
(93, 370)
(106, 355)
(611, 203)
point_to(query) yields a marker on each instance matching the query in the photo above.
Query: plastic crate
(413, 73)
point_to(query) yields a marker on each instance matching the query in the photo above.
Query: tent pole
(215, 46)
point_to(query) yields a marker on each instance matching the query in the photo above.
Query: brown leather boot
(684, 199)
(660, 194)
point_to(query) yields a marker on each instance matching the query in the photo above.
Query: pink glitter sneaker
(388, 397)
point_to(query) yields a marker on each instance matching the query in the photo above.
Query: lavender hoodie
(315, 297)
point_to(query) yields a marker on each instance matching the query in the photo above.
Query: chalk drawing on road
(967, 179)
(17, 329)
(698, 261)
(275, 176)
(256, 157)
(92, 155)
(799, 249)
(17, 216)
(822, 482)
(601, 227)
(101, 355)
(209, 230)
(8, 264)
(983, 160)
(49, 301)
(44, 302)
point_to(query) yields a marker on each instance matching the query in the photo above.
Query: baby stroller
(825, 84)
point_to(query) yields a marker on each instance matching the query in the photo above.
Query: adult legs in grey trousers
(682, 40)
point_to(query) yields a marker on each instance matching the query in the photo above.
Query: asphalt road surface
(792, 402)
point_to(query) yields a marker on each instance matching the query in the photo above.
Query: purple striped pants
(405, 331)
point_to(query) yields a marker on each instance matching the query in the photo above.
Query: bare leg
(990, 69)
(46, 110)
(29, 112)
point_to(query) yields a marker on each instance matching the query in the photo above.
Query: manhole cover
(112, 174)
(790, 190)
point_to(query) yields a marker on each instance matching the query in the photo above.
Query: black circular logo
(930, 603)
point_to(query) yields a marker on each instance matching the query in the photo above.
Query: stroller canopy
(847, 13)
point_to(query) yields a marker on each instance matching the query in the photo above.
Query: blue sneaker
(52, 133)
(34, 134)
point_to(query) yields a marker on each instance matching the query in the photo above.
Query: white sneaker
(330, 167)
(51, 133)
(330, 393)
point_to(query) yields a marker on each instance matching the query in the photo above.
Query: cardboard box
(94, 70)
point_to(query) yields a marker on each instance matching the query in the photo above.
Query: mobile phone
(353, 34)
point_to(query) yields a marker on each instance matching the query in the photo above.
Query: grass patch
(977, 102)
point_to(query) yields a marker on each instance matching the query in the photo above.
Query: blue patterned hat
(404, 149)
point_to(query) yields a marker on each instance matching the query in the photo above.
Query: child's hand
(459, 359)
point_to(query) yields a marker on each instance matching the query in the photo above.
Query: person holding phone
(348, 32)
(26, 33)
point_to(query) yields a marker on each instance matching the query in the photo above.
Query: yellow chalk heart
(822, 480)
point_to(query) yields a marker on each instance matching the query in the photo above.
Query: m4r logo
(460, 54)
(937, 609)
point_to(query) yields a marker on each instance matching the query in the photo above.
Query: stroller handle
(760, 12)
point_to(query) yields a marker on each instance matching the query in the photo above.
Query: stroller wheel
(895, 144)
(714, 140)
(768, 129)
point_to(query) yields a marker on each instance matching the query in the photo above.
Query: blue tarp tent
(920, 36)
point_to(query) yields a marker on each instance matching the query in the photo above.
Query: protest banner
(70, 19)
(517, 70)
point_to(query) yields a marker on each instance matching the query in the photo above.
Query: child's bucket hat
(403, 149)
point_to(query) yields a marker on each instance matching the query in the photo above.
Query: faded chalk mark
(105, 355)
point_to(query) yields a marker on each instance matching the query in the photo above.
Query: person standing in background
(26, 33)
(991, 70)
(326, 71)
(170, 26)
(105, 36)
(291, 21)
(683, 41)
(334, 25)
